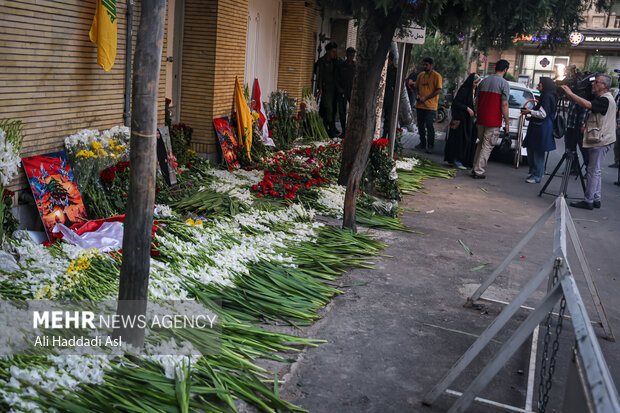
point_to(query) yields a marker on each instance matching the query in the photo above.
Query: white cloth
(109, 237)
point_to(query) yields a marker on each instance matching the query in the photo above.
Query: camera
(580, 83)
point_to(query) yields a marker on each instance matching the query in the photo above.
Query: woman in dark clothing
(539, 137)
(460, 142)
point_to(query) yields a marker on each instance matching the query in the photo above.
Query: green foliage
(596, 63)
(180, 137)
(285, 128)
(510, 77)
(449, 59)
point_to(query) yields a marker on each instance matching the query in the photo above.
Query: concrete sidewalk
(392, 339)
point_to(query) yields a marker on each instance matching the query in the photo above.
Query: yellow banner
(103, 32)
(244, 118)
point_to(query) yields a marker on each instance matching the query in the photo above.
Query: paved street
(398, 328)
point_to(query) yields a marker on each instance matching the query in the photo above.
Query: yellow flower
(191, 152)
(198, 223)
(95, 145)
(190, 221)
(41, 293)
(113, 142)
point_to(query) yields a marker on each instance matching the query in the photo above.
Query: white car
(519, 95)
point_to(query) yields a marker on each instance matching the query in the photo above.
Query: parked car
(519, 95)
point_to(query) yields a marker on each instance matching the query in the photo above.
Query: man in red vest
(491, 105)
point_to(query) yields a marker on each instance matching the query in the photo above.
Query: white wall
(263, 45)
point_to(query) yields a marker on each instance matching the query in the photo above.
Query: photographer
(599, 135)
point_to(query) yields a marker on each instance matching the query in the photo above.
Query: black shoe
(596, 204)
(614, 165)
(420, 146)
(582, 205)
(430, 149)
(476, 176)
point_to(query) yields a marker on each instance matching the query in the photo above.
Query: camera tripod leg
(557, 168)
(566, 176)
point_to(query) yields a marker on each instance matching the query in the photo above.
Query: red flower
(108, 174)
(168, 101)
(121, 166)
(125, 194)
(7, 193)
(380, 143)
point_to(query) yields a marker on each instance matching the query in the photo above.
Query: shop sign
(602, 39)
(413, 34)
(544, 63)
(534, 39)
(575, 38)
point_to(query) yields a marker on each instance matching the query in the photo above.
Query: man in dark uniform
(326, 84)
(346, 70)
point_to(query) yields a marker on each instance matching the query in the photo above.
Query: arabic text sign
(413, 34)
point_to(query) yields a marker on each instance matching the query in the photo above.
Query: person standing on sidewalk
(617, 144)
(459, 143)
(346, 71)
(492, 104)
(539, 138)
(599, 136)
(429, 86)
(326, 81)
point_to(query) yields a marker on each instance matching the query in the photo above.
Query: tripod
(568, 158)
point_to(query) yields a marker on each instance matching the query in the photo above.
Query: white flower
(393, 175)
(331, 200)
(9, 160)
(311, 105)
(163, 211)
(407, 164)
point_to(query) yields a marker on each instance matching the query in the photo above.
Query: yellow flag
(244, 118)
(103, 32)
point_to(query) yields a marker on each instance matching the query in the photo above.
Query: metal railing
(589, 369)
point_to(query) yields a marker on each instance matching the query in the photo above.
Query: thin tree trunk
(137, 234)
(375, 34)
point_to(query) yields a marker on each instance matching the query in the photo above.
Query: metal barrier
(589, 372)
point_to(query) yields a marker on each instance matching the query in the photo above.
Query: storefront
(533, 63)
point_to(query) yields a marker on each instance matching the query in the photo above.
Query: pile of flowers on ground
(245, 238)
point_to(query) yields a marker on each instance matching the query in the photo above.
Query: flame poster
(54, 189)
(227, 141)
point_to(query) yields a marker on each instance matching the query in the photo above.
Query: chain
(546, 375)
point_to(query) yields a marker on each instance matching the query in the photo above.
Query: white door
(263, 45)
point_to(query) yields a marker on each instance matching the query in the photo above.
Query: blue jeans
(425, 123)
(536, 160)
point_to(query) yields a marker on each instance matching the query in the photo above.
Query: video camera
(580, 83)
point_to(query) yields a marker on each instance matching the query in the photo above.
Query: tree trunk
(375, 34)
(137, 234)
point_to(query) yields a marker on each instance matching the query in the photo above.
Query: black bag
(559, 125)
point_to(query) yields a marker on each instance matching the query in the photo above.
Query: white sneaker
(531, 181)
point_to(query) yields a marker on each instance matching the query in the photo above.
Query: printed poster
(227, 141)
(54, 189)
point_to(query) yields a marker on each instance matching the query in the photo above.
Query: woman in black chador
(460, 145)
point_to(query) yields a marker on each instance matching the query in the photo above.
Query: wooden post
(134, 277)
